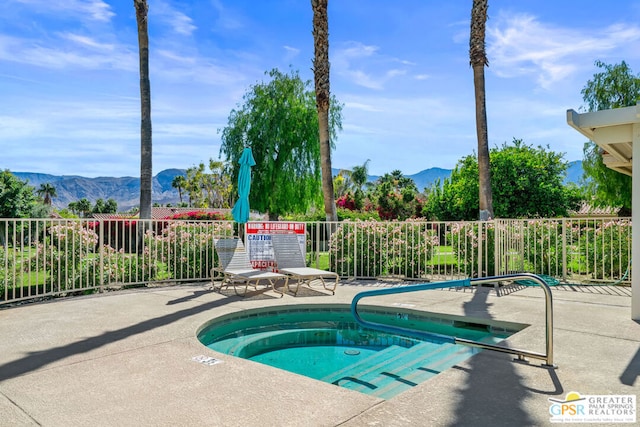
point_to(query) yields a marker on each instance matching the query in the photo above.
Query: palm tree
(321, 78)
(145, 109)
(179, 182)
(47, 191)
(478, 60)
(83, 206)
(73, 207)
(360, 175)
(342, 183)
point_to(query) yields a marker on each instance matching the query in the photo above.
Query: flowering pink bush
(64, 254)
(189, 243)
(465, 237)
(608, 248)
(374, 248)
(7, 277)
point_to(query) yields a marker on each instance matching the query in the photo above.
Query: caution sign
(258, 240)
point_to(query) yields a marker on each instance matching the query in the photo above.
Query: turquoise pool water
(325, 343)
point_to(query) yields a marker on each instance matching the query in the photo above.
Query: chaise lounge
(237, 269)
(290, 261)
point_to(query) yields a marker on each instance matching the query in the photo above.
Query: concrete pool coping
(132, 358)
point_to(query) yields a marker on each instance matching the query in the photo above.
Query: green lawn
(443, 256)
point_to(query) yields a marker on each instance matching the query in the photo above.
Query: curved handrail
(410, 288)
(548, 357)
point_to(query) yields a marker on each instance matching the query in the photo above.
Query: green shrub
(372, 248)
(346, 214)
(120, 267)
(608, 248)
(63, 255)
(358, 248)
(543, 246)
(465, 238)
(7, 277)
(187, 248)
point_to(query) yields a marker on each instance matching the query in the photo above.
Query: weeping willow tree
(614, 87)
(279, 121)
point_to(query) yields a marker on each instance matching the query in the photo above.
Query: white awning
(611, 130)
(616, 132)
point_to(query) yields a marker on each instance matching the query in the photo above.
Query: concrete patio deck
(125, 358)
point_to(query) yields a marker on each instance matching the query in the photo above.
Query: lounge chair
(237, 269)
(290, 261)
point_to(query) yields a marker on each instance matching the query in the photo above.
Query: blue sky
(69, 78)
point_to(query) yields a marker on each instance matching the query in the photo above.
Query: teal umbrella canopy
(240, 210)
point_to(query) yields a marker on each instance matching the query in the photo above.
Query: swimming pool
(323, 341)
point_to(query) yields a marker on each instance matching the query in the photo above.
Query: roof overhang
(611, 130)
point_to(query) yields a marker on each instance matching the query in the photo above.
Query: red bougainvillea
(198, 215)
(347, 202)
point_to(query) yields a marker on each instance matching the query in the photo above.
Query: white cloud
(353, 60)
(395, 72)
(290, 53)
(83, 52)
(522, 45)
(357, 50)
(185, 130)
(96, 10)
(227, 19)
(361, 106)
(184, 68)
(18, 127)
(88, 42)
(179, 22)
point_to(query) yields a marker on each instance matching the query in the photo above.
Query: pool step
(404, 370)
(365, 365)
(407, 378)
(391, 374)
(357, 375)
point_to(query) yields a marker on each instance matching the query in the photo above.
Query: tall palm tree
(179, 182)
(478, 60)
(145, 109)
(47, 191)
(321, 78)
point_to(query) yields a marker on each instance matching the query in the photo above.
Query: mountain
(428, 177)
(126, 190)
(574, 172)
(422, 179)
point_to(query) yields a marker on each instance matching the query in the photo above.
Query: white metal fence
(46, 257)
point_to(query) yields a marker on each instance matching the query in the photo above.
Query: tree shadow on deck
(39, 359)
(632, 371)
(494, 393)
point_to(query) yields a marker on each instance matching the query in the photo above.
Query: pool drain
(352, 352)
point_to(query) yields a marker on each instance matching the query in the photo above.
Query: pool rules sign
(258, 240)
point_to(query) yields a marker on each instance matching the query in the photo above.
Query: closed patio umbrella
(240, 210)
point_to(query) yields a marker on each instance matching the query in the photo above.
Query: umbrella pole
(241, 232)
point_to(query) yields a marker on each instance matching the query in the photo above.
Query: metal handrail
(548, 357)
